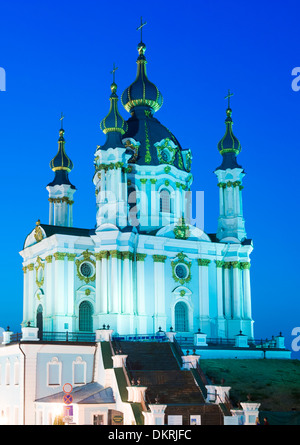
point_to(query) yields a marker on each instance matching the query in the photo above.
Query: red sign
(67, 388)
(68, 399)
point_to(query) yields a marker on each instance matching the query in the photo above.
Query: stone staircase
(155, 366)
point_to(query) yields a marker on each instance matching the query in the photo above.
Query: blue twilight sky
(58, 56)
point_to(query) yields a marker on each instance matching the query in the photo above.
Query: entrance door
(181, 317)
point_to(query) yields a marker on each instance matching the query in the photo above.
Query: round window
(86, 270)
(165, 155)
(181, 271)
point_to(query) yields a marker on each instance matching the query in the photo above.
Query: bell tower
(231, 224)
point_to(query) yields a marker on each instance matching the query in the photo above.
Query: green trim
(159, 258)
(203, 262)
(181, 259)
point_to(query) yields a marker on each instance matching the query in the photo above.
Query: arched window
(165, 201)
(39, 321)
(85, 317)
(181, 317)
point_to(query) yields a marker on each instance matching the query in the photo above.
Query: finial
(113, 85)
(140, 28)
(229, 95)
(61, 120)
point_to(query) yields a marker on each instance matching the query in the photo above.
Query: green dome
(113, 122)
(229, 142)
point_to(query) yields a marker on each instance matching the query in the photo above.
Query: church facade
(144, 267)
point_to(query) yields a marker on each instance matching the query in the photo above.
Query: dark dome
(142, 91)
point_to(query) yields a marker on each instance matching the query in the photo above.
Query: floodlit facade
(145, 272)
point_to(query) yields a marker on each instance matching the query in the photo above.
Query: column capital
(219, 263)
(127, 255)
(236, 264)
(141, 256)
(59, 256)
(203, 262)
(100, 255)
(159, 258)
(245, 265)
(71, 256)
(115, 254)
(49, 259)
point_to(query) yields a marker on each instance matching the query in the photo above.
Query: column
(221, 197)
(204, 295)
(31, 282)
(143, 204)
(140, 276)
(104, 283)
(59, 280)
(98, 281)
(159, 291)
(114, 300)
(49, 300)
(227, 290)
(236, 290)
(178, 207)
(219, 265)
(25, 295)
(51, 212)
(245, 266)
(127, 283)
(70, 222)
(154, 204)
(71, 282)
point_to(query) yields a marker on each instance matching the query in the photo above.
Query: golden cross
(229, 95)
(141, 28)
(61, 119)
(113, 72)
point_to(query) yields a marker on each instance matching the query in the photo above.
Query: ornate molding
(49, 259)
(181, 230)
(181, 259)
(141, 256)
(219, 263)
(59, 256)
(71, 256)
(203, 262)
(86, 259)
(159, 258)
(39, 272)
(127, 255)
(245, 265)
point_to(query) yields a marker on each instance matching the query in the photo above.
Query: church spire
(142, 92)
(113, 125)
(61, 162)
(229, 146)
(61, 190)
(231, 224)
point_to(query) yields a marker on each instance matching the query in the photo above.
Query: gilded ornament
(159, 258)
(203, 262)
(181, 231)
(181, 260)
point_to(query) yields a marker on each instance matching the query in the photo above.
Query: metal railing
(69, 337)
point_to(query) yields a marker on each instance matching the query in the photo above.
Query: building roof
(91, 393)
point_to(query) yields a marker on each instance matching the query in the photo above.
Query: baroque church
(144, 267)
(104, 308)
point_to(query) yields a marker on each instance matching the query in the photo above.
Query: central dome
(142, 91)
(153, 143)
